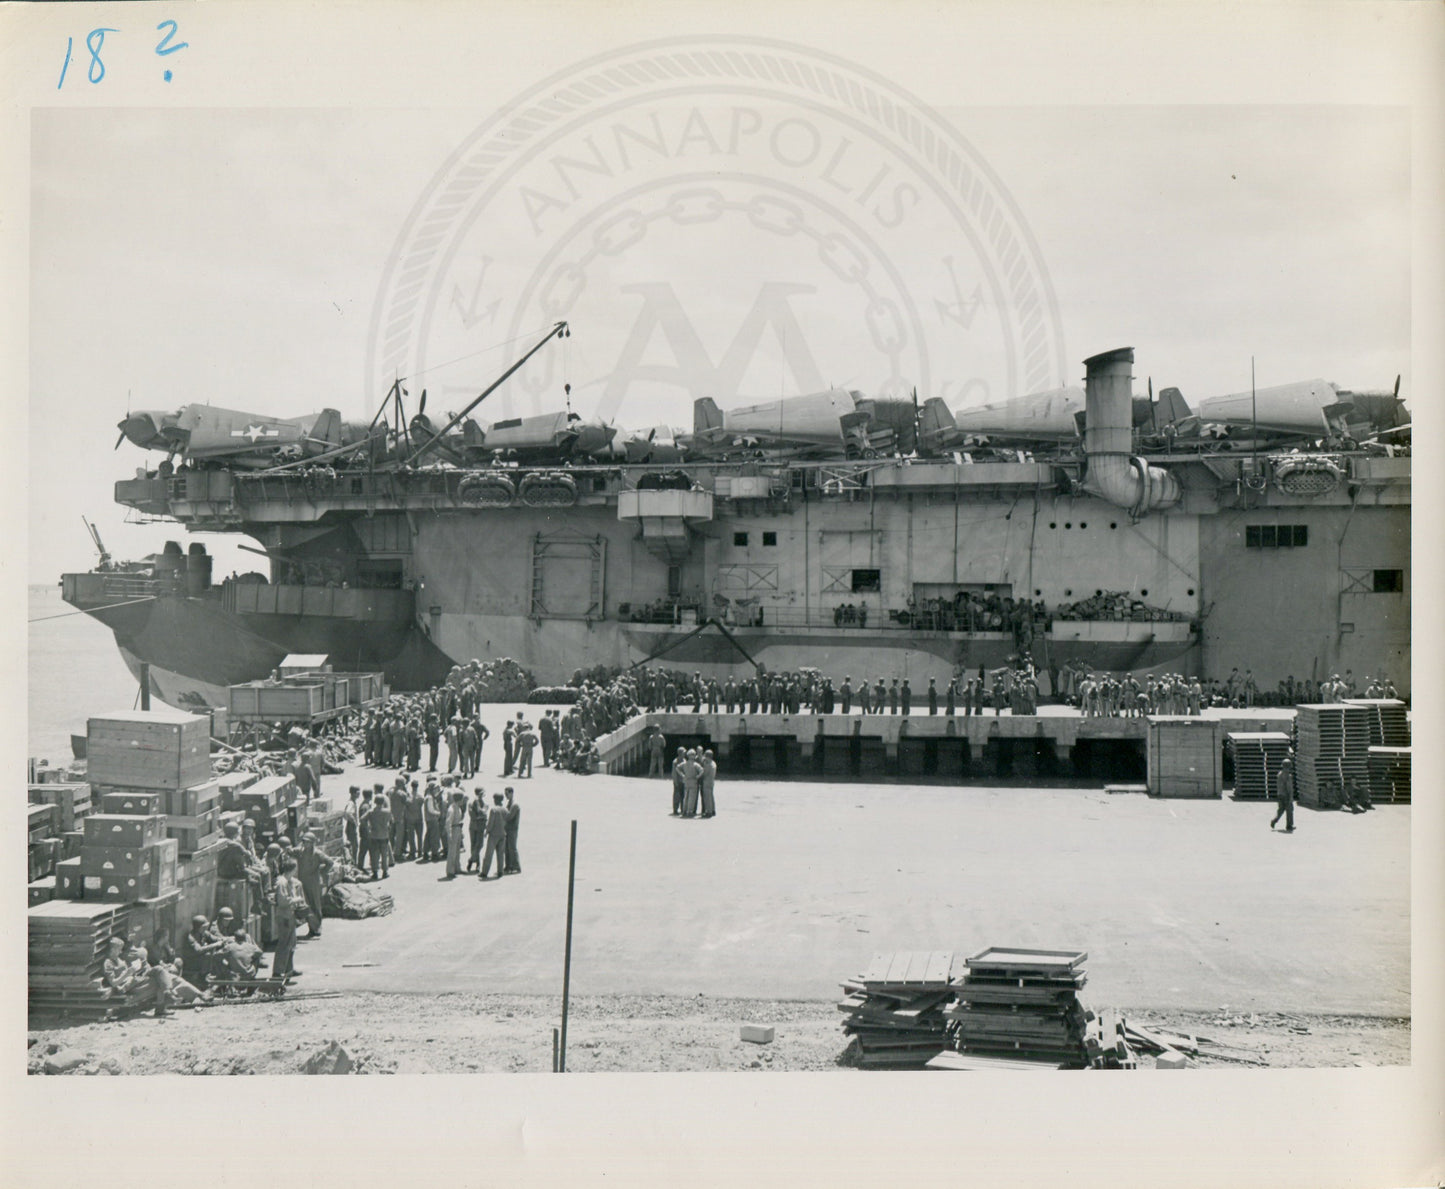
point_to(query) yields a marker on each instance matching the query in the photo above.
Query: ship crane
(560, 330)
(105, 560)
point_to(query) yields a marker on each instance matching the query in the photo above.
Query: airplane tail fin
(705, 415)
(326, 432)
(937, 430)
(1172, 406)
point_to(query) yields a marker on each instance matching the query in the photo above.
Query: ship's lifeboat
(487, 491)
(1307, 476)
(548, 491)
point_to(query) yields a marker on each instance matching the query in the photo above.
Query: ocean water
(74, 671)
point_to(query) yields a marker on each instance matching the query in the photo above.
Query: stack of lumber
(1332, 748)
(1257, 757)
(1106, 1041)
(67, 949)
(1390, 775)
(1020, 1005)
(895, 1008)
(1388, 725)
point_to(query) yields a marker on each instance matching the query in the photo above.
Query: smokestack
(1128, 482)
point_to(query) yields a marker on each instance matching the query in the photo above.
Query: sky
(237, 257)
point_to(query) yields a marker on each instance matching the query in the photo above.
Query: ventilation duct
(1113, 473)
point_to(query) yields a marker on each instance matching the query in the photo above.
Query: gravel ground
(463, 1033)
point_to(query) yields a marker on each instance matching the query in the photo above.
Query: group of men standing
(694, 776)
(383, 827)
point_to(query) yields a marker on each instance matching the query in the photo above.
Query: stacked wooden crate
(266, 801)
(67, 950)
(149, 750)
(1389, 727)
(1389, 769)
(1332, 748)
(329, 826)
(73, 801)
(1184, 758)
(42, 840)
(231, 783)
(895, 1008)
(1257, 756)
(1021, 1005)
(125, 858)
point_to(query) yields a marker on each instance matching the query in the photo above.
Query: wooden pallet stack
(1017, 1005)
(895, 1008)
(1332, 748)
(1257, 757)
(1388, 725)
(67, 950)
(1389, 775)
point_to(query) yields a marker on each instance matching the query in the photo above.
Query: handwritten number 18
(95, 41)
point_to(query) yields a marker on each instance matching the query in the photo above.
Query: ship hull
(196, 649)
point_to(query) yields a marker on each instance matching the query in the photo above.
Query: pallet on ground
(1257, 757)
(1389, 724)
(1389, 775)
(894, 1012)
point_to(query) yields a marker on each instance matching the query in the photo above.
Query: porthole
(1083, 524)
(1068, 524)
(1113, 524)
(1143, 594)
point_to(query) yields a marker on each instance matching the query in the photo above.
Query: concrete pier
(939, 746)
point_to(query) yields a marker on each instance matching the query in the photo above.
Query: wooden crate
(149, 749)
(153, 913)
(69, 883)
(236, 895)
(41, 890)
(107, 861)
(135, 804)
(42, 821)
(231, 784)
(123, 830)
(192, 833)
(1184, 758)
(260, 701)
(193, 801)
(74, 801)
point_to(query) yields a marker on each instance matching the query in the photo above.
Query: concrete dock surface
(795, 884)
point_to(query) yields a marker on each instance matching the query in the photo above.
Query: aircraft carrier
(1268, 532)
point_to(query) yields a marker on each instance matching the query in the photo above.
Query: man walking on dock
(1284, 796)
